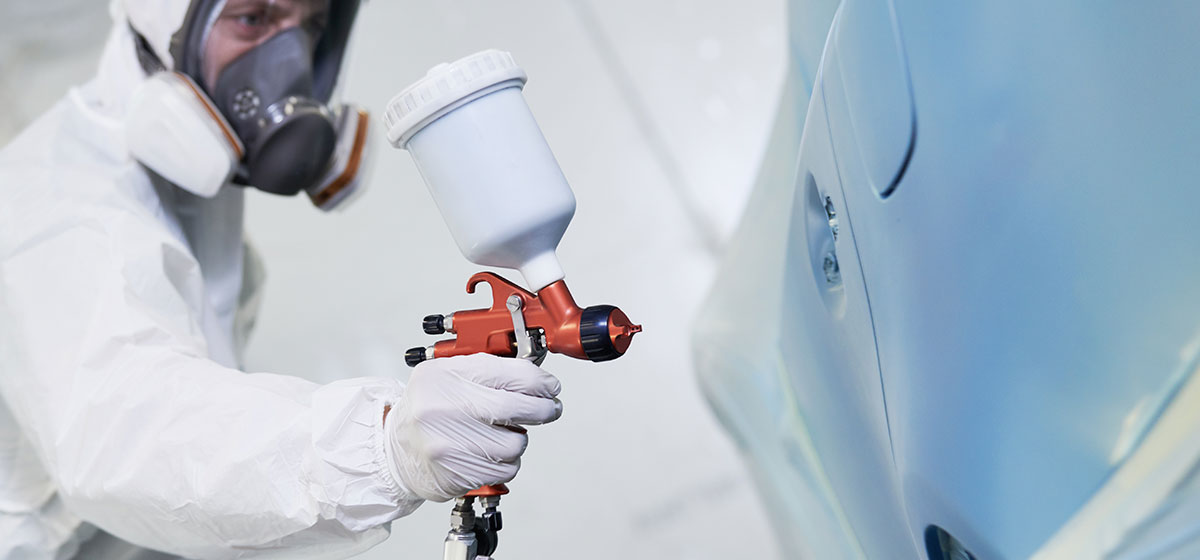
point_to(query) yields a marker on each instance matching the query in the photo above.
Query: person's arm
(102, 361)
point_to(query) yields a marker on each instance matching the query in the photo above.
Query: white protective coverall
(122, 307)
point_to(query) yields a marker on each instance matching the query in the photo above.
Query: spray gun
(507, 205)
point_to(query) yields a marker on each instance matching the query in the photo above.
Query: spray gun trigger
(524, 345)
(527, 347)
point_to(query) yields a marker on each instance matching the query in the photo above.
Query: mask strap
(187, 43)
(211, 20)
(149, 61)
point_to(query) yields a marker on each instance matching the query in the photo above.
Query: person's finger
(478, 473)
(500, 444)
(504, 408)
(506, 374)
(499, 473)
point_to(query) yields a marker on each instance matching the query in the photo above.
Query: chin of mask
(261, 127)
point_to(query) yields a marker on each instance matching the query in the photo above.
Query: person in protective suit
(127, 429)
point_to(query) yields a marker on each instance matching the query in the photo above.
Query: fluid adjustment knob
(434, 324)
(415, 356)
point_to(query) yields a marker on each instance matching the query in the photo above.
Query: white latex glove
(447, 434)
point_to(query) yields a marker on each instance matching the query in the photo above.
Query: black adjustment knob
(492, 520)
(485, 540)
(433, 324)
(593, 334)
(414, 356)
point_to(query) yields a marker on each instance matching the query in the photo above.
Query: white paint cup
(487, 164)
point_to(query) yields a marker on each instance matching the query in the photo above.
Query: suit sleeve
(103, 363)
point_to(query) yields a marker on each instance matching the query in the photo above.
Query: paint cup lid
(447, 87)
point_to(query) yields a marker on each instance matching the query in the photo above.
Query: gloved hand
(447, 434)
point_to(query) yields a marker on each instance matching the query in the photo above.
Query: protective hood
(267, 120)
(156, 21)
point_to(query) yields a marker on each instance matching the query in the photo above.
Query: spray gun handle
(489, 490)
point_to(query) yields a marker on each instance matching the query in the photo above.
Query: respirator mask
(264, 119)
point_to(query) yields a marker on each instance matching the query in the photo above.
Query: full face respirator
(266, 120)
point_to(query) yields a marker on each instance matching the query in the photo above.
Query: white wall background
(658, 113)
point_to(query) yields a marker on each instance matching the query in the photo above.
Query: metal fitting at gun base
(460, 546)
(462, 517)
(492, 521)
(461, 543)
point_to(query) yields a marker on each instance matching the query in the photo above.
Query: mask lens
(244, 24)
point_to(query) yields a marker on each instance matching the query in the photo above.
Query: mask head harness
(275, 98)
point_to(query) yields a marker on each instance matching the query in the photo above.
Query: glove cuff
(355, 479)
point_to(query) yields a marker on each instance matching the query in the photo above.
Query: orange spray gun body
(522, 324)
(526, 325)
